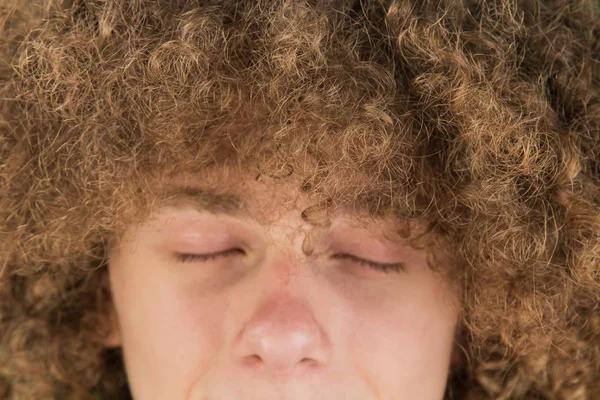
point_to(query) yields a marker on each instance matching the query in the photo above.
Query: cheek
(169, 331)
(406, 343)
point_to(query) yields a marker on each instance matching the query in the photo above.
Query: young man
(206, 200)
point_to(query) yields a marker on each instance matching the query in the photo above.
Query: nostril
(252, 361)
(309, 362)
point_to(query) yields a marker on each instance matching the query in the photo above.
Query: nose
(282, 338)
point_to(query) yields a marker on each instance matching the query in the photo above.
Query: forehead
(240, 193)
(246, 194)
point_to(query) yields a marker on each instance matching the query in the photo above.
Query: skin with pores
(280, 309)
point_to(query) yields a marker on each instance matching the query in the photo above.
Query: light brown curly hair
(481, 118)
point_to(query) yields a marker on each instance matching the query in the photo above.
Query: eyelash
(386, 268)
(187, 257)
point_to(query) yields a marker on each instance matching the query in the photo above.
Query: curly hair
(481, 118)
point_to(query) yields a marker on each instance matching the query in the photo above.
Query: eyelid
(383, 267)
(191, 257)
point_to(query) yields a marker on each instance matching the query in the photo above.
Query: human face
(276, 308)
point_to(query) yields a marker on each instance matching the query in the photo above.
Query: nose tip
(282, 338)
(282, 348)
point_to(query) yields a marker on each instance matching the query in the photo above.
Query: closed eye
(382, 267)
(188, 257)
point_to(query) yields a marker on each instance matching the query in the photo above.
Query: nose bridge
(285, 269)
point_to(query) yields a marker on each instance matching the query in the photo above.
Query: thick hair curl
(480, 117)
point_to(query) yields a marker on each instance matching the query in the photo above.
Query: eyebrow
(202, 200)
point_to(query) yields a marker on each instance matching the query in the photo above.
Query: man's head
(207, 200)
